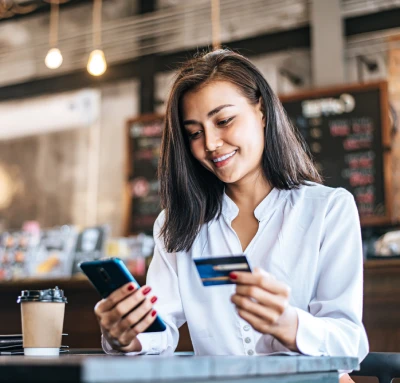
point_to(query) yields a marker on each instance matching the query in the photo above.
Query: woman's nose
(212, 141)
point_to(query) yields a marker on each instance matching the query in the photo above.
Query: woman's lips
(220, 164)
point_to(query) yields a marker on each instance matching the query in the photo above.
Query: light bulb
(53, 58)
(97, 63)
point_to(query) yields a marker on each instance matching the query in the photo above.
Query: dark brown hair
(190, 194)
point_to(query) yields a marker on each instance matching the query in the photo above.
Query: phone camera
(105, 275)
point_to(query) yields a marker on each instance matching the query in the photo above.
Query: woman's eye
(194, 135)
(225, 122)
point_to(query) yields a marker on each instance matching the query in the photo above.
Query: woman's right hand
(124, 314)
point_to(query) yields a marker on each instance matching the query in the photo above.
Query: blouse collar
(264, 209)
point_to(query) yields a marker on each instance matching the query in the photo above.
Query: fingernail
(232, 276)
(153, 300)
(131, 287)
(154, 312)
(146, 290)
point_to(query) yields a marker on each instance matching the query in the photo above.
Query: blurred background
(83, 85)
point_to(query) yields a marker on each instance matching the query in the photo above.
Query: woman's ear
(261, 109)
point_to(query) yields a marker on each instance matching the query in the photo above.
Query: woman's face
(226, 132)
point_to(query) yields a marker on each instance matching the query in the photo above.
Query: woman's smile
(223, 160)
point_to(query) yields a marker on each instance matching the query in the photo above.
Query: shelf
(37, 284)
(76, 283)
(392, 264)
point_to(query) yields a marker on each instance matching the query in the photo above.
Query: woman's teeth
(224, 157)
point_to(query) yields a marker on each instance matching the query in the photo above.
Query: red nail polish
(153, 300)
(146, 290)
(130, 287)
(232, 276)
(154, 312)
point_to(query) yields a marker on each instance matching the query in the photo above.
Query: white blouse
(308, 238)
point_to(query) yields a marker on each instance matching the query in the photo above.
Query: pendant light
(97, 64)
(215, 24)
(54, 57)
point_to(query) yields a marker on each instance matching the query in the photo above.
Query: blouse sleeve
(333, 324)
(162, 278)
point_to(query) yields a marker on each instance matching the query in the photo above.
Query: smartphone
(109, 275)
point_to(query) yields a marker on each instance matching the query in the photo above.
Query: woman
(235, 178)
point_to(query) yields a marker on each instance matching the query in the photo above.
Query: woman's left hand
(263, 302)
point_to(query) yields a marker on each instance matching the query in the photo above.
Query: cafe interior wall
(119, 101)
(72, 176)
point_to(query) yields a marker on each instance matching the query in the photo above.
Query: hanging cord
(97, 10)
(215, 23)
(54, 17)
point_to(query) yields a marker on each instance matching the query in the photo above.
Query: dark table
(94, 367)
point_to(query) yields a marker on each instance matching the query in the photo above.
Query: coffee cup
(42, 317)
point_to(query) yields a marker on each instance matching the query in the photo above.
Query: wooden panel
(394, 97)
(381, 304)
(362, 379)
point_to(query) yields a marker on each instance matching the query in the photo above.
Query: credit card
(215, 271)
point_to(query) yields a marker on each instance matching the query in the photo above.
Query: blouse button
(250, 352)
(246, 327)
(247, 340)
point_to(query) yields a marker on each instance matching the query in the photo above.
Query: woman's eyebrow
(217, 109)
(209, 114)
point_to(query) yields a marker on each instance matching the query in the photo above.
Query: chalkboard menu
(142, 188)
(347, 133)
